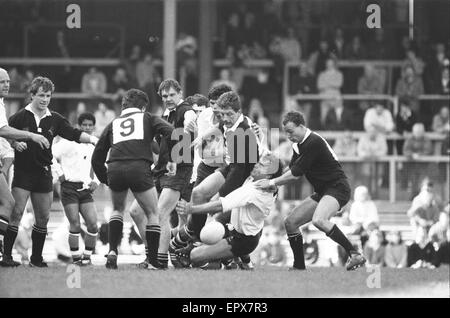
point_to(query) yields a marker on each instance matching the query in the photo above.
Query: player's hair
(168, 84)
(295, 117)
(44, 82)
(86, 116)
(229, 100)
(215, 92)
(134, 98)
(200, 100)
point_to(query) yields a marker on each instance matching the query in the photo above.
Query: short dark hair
(295, 117)
(134, 98)
(215, 92)
(167, 84)
(198, 99)
(44, 82)
(86, 116)
(229, 100)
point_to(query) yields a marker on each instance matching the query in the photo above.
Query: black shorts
(203, 171)
(339, 190)
(39, 180)
(70, 195)
(242, 244)
(130, 174)
(180, 182)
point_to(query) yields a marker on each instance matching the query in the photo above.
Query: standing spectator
(301, 83)
(441, 121)
(103, 116)
(93, 82)
(378, 118)
(374, 249)
(119, 84)
(338, 44)
(290, 47)
(131, 62)
(410, 85)
(317, 60)
(371, 146)
(404, 120)
(147, 77)
(370, 83)
(421, 254)
(396, 252)
(329, 84)
(425, 208)
(353, 51)
(434, 68)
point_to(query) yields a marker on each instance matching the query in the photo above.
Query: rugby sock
(115, 232)
(163, 259)
(38, 235)
(184, 235)
(10, 237)
(152, 234)
(245, 259)
(89, 244)
(196, 223)
(296, 242)
(74, 238)
(3, 226)
(336, 235)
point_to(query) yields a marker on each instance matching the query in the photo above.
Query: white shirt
(75, 161)
(6, 150)
(249, 207)
(213, 153)
(384, 120)
(364, 213)
(3, 119)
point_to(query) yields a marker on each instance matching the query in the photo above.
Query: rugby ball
(212, 233)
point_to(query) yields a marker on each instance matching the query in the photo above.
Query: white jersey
(249, 207)
(3, 119)
(75, 161)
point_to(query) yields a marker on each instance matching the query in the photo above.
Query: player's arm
(68, 132)
(100, 153)
(12, 132)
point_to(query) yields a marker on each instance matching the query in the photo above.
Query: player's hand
(191, 126)
(183, 207)
(256, 129)
(264, 184)
(40, 140)
(20, 145)
(93, 186)
(93, 140)
(171, 168)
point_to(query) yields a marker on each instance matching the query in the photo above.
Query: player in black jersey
(314, 158)
(130, 138)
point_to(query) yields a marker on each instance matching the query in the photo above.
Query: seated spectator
(404, 121)
(371, 146)
(443, 87)
(290, 48)
(425, 208)
(355, 50)
(410, 85)
(443, 251)
(396, 252)
(94, 82)
(438, 231)
(379, 119)
(421, 254)
(103, 117)
(346, 145)
(338, 117)
(329, 83)
(225, 78)
(374, 250)
(441, 121)
(369, 84)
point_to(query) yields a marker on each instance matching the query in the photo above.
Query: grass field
(270, 282)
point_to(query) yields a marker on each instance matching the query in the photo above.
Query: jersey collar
(168, 111)
(47, 112)
(236, 124)
(295, 146)
(130, 110)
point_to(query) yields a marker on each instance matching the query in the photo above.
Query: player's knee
(92, 228)
(41, 220)
(290, 224)
(75, 227)
(8, 204)
(135, 213)
(198, 196)
(319, 223)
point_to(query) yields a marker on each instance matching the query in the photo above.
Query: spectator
(290, 48)
(441, 121)
(338, 117)
(378, 118)
(438, 231)
(317, 60)
(379, 48)
(120, 83)
(421, 254)
(443, 87)
(370, 84)
(374, 249)
(404, 120)
(346, 145)
(148, 77)
(371, 146)
(103, 117)
(131, 62)
(353, 51)
(225, 78)
(396, 252)
(443, 252)
(93, 82)
(410, 85)
(338, 44)
(234, 36)
(415, 61)
(425, 208)
(329, 84)
(302, 82)
(433, 70)
(256, 114)
(73, 115)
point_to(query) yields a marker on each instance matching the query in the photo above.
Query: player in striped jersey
(314, 158)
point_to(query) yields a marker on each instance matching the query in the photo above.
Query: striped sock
(115, 232)
(38, 235)
(3, 225)
(296, 242)
(10, 237)
(89, 243)
(336, 235)
(163, 259)
(74, 238)
(146, 251)
(152, 234)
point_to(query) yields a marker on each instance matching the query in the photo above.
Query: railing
(392, 162)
